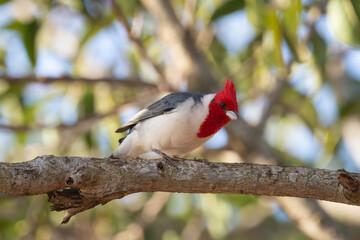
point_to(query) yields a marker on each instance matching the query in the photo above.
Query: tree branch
(273, 99)
(76, 184)
(83, 123)
(164, 85)
(126, 82)
(189, 61)
(86, 122)
(324, 228)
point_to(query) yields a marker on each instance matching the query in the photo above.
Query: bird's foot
(203, 160)
(169, 159)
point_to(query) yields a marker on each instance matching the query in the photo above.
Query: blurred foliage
(28, 33)
(227, 7)
(345, 18)
(307, 44)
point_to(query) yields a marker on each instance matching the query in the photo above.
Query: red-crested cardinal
(178, 123)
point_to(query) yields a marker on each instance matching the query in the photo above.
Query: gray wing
(164, 105)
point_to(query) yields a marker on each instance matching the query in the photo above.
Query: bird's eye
(223, 105)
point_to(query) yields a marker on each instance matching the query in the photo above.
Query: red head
(222, 109)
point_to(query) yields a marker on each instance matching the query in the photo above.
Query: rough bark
(76, 184)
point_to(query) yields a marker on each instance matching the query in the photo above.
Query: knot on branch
(73, 201)
(69, 181)
(350, 186)
(160, 166)
(65, 199)
(74, 180)
(348, 182)
(79, 176)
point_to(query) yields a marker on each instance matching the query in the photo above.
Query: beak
(233, 115)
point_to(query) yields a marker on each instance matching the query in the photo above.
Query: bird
(177, 123)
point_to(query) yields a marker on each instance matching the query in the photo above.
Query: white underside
(173, 133)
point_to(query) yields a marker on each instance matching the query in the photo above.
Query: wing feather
(162, 106)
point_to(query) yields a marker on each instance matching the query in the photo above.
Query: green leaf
(3, 1)
(257, 11)
(91, 31)
(291, 18)
(356, 5)
(227, 7)
(2, 57)
(97, 19)
(87, 103)
(319, 52)
(289, 26)
(239, 200)
(217, 52)
(28, 33)
(89, 140)
(350, 108)
(128, 7)
(344, 16)
(301, 105)
(272, 43)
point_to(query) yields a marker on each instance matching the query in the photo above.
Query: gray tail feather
(121, 140)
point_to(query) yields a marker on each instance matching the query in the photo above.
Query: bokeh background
(72, 71)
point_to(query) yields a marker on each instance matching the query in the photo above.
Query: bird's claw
(165, 157)
(203, 160)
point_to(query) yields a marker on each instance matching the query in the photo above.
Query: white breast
(173, 133)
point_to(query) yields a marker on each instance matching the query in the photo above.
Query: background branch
(164, 84)
(85, 123)
(188, 60)
(126, 82)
